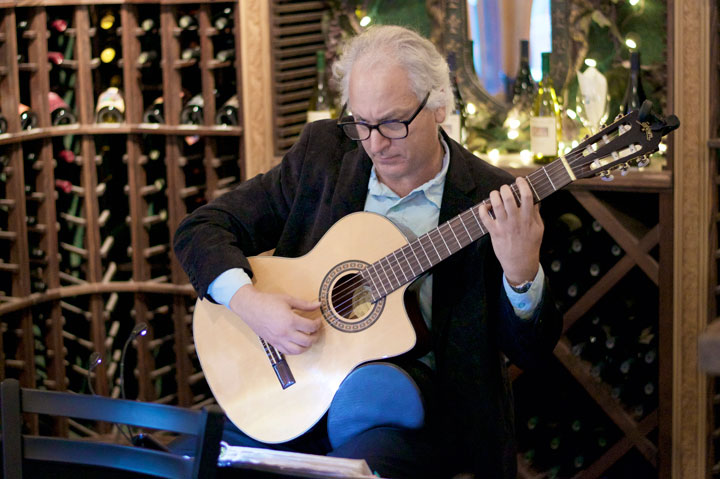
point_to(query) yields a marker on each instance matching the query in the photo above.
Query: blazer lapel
(351, 187)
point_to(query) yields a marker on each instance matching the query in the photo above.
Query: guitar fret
(549, 179)
(384, 270)
(462, 222)
(477, 220)
(432, 243)
(442, 237)
(416, 259)
(537, 197)
(374, 266)
(419, 241)
(402, 270)
(515, 192)
(453, 232)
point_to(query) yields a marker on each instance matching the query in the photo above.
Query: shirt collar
(432, 189)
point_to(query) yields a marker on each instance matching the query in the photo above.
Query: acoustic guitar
(360, 280)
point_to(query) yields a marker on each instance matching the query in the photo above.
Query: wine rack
(605, 257)
(89, 200)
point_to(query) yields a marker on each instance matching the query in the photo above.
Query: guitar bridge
(279, 364)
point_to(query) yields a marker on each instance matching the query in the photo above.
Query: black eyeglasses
(391, 129)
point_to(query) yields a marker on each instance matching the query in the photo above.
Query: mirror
(486, 34)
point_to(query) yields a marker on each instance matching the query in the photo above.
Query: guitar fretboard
(409, 262)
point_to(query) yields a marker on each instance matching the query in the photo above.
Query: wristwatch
(522, 287)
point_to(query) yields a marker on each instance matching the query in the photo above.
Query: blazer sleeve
(244, 222)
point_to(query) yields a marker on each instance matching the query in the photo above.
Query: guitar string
(347, 291)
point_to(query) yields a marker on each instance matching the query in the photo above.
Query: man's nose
(377, 142)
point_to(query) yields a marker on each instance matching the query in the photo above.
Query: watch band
(521, 288)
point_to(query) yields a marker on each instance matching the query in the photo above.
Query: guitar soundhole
(346, 300)
(350, 298)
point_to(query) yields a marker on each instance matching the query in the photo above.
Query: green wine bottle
(545, 130)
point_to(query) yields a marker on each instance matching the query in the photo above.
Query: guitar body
(355, 330)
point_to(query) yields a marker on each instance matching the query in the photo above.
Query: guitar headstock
(631, 138)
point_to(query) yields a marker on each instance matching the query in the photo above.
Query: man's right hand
(272, 317)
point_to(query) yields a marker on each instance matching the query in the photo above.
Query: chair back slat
(205, 426)
(124, 411)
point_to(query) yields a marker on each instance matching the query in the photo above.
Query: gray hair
(379, 45)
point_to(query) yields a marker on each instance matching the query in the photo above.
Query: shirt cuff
(525, 304)
(226, 285)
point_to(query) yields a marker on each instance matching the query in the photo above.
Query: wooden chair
(111, 460)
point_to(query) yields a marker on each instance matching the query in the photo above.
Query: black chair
(54, 454)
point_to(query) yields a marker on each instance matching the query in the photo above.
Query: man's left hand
(515, 231)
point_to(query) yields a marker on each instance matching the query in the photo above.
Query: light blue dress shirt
(415, 214)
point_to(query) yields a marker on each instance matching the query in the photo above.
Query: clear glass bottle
(320, 104)
(518, 118)
(110, 107)
(545, 129)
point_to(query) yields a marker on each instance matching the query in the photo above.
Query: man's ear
(440, 113)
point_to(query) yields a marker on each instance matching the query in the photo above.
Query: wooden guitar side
(236, 366)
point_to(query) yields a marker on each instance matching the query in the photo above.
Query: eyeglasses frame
(376, 126)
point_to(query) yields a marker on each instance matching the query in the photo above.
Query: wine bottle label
(318, 115)
(543, 135)
(111, 98)
(452, 126)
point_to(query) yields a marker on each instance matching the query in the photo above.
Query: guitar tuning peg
(603, 126)
(606, 176)
(643, 161)
(623, 169)
(595, 165)
(619, 116)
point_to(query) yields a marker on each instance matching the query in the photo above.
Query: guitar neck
(412, 260)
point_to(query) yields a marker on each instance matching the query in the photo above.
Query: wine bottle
(3, 124)
(223, 19)
(147, 58)
(192, 52)
(187, 22)
(225, 55)
(58, 24)
(28, 118)
(192, 112)
(523, 95)
(634, 92)
(320, 105)
(545, 121)
(155, 112)
(148, 25)
(107, 20)
(110, 107)
(229, 113)
(60, 113)
(108, 54)
(454, 123)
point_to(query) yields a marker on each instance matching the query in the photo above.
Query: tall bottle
(320, 106)
(634, 93)
(110, 107)
(524, 86)
(155, 113)
(545, 122)
(454, 124)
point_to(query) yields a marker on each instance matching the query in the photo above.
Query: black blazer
(325, 177)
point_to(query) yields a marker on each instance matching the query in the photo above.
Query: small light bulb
(630, 43)
(471, 108)
(590, 62)
(513, 123)
(526, 157)
(662, 147)
(571, 114)
(512, 134)
(365, 21)
(634, 2)
(494, 156)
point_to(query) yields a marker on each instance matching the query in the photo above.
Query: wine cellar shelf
(135, 120)
(595, 410)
